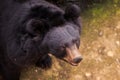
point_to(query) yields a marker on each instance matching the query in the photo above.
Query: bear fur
(30, 29)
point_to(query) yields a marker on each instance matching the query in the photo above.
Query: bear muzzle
(73, 55)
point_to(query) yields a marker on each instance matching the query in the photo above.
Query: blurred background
(100, 45)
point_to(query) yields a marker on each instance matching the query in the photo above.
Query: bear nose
(77, 60)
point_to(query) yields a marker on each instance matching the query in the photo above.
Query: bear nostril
(77, 60)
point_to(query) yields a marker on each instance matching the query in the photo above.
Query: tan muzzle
(73, 55)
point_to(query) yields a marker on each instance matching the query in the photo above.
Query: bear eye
(74, 41)
(62, 48)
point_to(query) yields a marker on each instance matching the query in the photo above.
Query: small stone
(118, 27)
(118, 66)
(115, 34)
(98, 78)
(88, 74)
(99, 59)
(100, 33)
(118, 61)
(88, 47)
(36, 70)
(78, 77)
(110, 54)
(101, 50)
(118, 43)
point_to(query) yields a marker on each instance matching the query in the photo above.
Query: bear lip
(70, 62)
(73, 64)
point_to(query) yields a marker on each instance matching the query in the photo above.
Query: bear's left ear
(35, 27)
(72, 11)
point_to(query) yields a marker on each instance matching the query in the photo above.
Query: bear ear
(72, 11)
(35, 27)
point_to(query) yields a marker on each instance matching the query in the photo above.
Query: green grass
(99, 16)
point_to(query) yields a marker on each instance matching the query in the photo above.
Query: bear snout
(73, 55)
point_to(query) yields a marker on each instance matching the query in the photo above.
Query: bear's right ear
(72, 11)
(36, 27)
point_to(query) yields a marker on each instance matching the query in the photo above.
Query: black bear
(30, 29)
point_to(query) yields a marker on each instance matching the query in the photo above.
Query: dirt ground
(100, 47)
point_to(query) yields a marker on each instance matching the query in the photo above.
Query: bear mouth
(70, 62)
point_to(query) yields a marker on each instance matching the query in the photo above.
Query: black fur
(30, 29)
